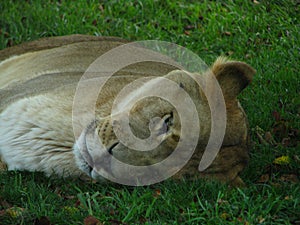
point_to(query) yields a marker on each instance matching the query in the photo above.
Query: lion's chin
(86, 163)
(91, 156)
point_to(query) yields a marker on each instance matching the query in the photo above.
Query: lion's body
(37, 86)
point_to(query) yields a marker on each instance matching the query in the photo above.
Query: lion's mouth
(110, 149)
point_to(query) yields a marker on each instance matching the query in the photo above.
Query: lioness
(38, 82)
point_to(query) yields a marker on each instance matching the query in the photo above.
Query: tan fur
(37, 85)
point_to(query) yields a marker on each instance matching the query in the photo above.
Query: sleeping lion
(40, 131)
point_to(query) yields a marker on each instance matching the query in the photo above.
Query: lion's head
(145, 128)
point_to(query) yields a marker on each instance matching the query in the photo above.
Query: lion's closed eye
(168, 121)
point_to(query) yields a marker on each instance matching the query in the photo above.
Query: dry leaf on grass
(292, 178)
(14, 212)
(282, 160)
(44, 220)
(263, 178)
(90, 220)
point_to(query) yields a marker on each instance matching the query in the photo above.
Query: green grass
(265, 35)
(166, 203)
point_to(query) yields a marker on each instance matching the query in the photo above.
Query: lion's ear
(233, 76)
